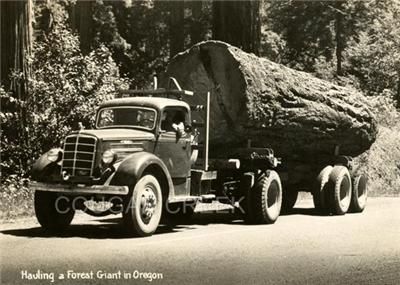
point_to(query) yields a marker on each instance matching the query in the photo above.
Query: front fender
(132, 168)
(44, 168)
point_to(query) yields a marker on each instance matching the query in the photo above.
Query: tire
(289, 198)
(320, 190)
(142, 212)
(266, 199)
(339, 190)
(53, 213)
(359, 194)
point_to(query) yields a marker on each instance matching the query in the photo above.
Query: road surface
(301, 248)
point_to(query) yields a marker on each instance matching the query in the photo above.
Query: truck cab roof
(158, 103)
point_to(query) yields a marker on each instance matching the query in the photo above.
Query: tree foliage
(350, 42)
(64, 88)
(373, 55)
(307, 28)
(83, 49)
(143, 35)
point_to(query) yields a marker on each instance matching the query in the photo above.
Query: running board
(207, 198)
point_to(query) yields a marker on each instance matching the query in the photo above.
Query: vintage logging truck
(146, 159)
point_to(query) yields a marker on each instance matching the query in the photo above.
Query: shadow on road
(106, 229)
(302, 211)
(111, 228)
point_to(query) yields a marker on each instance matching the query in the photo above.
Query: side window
(174, 118)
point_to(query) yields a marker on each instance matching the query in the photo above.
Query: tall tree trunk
(15, 44)
(398, 90)
(339, 38)
(82, 22)
(195, 26)
(15, 48)
(238, 23)
(176, 27)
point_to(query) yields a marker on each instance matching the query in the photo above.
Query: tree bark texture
(16, 40)
(82, 22)
(196, 25)
(176, 27)
(238, 23)
(301, 117)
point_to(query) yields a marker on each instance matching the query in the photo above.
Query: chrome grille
(79, 155)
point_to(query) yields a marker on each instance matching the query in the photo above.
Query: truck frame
(147, 159)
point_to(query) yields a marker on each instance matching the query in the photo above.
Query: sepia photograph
(200, 142)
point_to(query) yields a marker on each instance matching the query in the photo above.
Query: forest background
(59, 59)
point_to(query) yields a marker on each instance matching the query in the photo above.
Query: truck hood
(119, 134)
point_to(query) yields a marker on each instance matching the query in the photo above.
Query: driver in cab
(173, 122)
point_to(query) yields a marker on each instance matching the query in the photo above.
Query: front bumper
(79, 189)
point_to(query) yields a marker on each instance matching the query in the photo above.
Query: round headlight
(54, 155)
(108, 156)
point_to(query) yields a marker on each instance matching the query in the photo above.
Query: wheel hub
(148, 204)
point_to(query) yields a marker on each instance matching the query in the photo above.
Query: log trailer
(147, 158)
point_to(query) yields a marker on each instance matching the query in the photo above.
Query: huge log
(301, 117)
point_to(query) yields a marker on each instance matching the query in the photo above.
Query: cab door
(175, 150)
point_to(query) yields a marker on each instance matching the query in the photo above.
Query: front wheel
(265, 199)
(142, 213)
(53, 212)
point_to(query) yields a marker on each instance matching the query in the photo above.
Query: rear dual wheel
(332, 190)
(335, 193)
(339, 190)
(359, 194)
(320, 190)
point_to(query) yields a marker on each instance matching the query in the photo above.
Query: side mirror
(188, 129)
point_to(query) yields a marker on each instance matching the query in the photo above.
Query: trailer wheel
(289, 198)
(339, 190)
(266, 199)
(53, 213)
(359, 194)
(320, 190)
(142, 212)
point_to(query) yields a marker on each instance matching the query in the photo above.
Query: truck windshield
(136, 117)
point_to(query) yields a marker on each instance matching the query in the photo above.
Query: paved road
(301, 248)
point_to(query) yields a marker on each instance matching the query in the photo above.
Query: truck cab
(160, 126)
